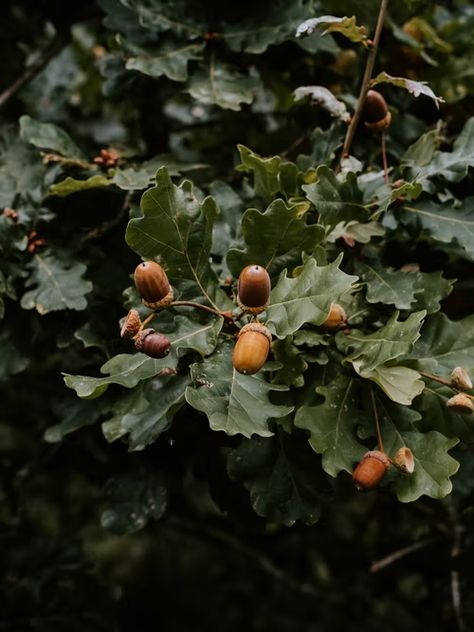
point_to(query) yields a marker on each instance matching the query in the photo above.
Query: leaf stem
(369, 67)
(376, 418)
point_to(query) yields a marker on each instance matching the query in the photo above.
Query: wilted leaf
(325, 98)
(346, 26)
(414, 87)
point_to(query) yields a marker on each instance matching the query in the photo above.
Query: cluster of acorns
(253, 292)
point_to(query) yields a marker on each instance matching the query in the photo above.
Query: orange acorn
(370, 470)
(152, 283)
(251, 349)
(253, 290)
(461, 403)
(336, 319)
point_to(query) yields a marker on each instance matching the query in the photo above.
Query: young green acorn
(253, 289)
(370, 470)
(461, 403)
(336, 319)
(152, 283)
(153, 343)
(375, 112)
(251, 349)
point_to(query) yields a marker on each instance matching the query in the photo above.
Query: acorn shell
(251, 349)
(152, 283)
(460, 379)
(375, 107)
(131, 325)
(371, 469)
(461, 403)
(336, 319)
(254, 288)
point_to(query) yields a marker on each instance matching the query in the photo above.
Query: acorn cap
(253, 289)
(336, 319)
(131, 325)
(461, 403)
(460, 379)
(261, 329)
(404, 460)
(140, 338)
(370, 470)
(379, 126)
(375, 107)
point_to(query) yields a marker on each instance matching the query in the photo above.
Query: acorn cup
(152, 283)
(461, 403)
(253, 289)
(251, 349)
(131, 325)
(460, 379)
(375, 113)
(370, 470)
(336, 319)
(153, 343)
(404, 460)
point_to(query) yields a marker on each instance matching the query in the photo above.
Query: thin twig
(384, 156)
(259, 558)
(226, 315)
(369, 67)
(36, 67)
(396, 555)
(376, 417)
(436, 378)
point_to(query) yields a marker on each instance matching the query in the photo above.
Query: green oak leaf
(445, 223)
(283, 477)
(48, 136)
(146, 411)
(332, 425)
(234, 403)
(170, 60)
(265, 172)
(56, 284)
(336, 200)
(400, 383)
(437, 416)
(71, 185)
(331, 24)
(406, 290)
(274, 239)
(12, 359)
(143, 175)
(325, 144)
(177, 228)
(227, 224)
(223, 85)
(307, 298)
(421, 152)
(292, 361)
(356, 232)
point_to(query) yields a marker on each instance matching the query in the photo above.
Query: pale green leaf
(48, 136)
(414, 87)
(71, 185)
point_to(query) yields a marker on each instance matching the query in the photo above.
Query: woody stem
(436, 378)
(377, 422)
(226, 314)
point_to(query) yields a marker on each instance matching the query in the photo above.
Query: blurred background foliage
(80, 547)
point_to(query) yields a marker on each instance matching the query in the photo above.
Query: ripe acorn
(336, 319)
(251, 349)
(461, 403)
(375, 112)
(152, 283)
(253, 289)
(460, 379)
(370, 470)
(131, 325)
(152, 343)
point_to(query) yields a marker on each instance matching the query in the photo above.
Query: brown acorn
(460, 379)
(404, 460)
(253, 289)
(461, 403)
(370, 470)
(152, 343)
(375, 111)
(131, 325)
(152, 283)
(336, 319)
(251, 349)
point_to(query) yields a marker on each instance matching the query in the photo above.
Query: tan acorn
(131, 325)
(370, 470)
(404, 460)
(461, 403)
(336, 319)
(375, 112)
(153, 343)
(460, 379)
(251, 349)
(152, 283)
(253, 289)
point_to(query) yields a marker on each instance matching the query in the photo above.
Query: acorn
(251, 349)
(152, 343)
(253, 289)
(131, 325)
(152, 283)
(375, 112)
(336, 319)
(404, 460)
(370, 470)
(460, 379)
(461, 403)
